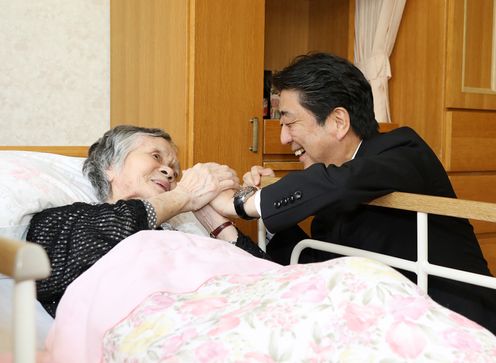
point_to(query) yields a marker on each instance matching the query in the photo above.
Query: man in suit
(327, 118)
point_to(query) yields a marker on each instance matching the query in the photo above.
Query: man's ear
(342, 119)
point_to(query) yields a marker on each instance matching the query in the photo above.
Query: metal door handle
(254, 127)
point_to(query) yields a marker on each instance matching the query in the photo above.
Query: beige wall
(54, 71)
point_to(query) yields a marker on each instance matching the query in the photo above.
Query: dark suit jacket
(396, 161)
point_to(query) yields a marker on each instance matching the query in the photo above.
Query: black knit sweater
(77, 235)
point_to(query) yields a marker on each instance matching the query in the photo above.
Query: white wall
(54, 71)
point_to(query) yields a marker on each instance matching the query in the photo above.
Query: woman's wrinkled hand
(211, 219)
(223, 203)
(204, 181)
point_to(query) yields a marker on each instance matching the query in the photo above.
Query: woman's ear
(110, 173)
(342, 120)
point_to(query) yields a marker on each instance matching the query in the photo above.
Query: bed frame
(24, 262)
(27, 262)
(423, 205)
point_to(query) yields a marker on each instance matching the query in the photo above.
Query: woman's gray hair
(110, 151)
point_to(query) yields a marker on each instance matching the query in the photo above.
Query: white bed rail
(24, 262)
(423, 205)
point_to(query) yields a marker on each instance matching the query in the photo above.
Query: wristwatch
(240, 198)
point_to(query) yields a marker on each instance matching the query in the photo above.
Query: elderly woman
(135, 172)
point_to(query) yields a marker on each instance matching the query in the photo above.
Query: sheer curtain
(376, 26)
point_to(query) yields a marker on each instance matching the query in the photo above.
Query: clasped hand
(223, 203)
(204, 181)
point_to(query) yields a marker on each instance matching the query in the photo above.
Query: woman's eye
(156, 156)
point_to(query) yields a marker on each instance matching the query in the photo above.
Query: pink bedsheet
(140, 265)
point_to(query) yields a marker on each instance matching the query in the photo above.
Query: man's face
(311, 142)
(149, 169)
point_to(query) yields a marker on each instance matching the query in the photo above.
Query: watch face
(239, 200)
(244, 192)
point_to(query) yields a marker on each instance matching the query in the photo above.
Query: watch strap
(240, 198)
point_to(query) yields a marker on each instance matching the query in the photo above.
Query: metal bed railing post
(24, 347)
(422, 250)
(24, 262)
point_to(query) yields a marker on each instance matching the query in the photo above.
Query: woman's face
(149, 169)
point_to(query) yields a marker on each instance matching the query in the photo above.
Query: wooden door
(228, 81)
(149, 66)
(471, 71)
(417, 87)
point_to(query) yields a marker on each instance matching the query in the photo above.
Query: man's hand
(254, 176)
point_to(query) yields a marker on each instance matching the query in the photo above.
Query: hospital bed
(25, 262)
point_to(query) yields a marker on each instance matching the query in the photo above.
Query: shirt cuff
(257, 202)
(258, 207)
(151, 214)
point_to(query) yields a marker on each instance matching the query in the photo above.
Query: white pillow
(32, 181)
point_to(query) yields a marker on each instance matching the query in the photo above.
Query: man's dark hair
(324, 82)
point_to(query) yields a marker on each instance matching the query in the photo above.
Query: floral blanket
(227, 306)
(346, 310)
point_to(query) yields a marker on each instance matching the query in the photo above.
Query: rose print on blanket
(406, 339)
(345, 310)
(310, 290)
(211, 351)
(410, 307)
(205, 305)
(359, 317)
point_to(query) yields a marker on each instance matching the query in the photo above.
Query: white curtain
(376, 26)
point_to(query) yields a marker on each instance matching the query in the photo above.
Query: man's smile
(299, 152)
